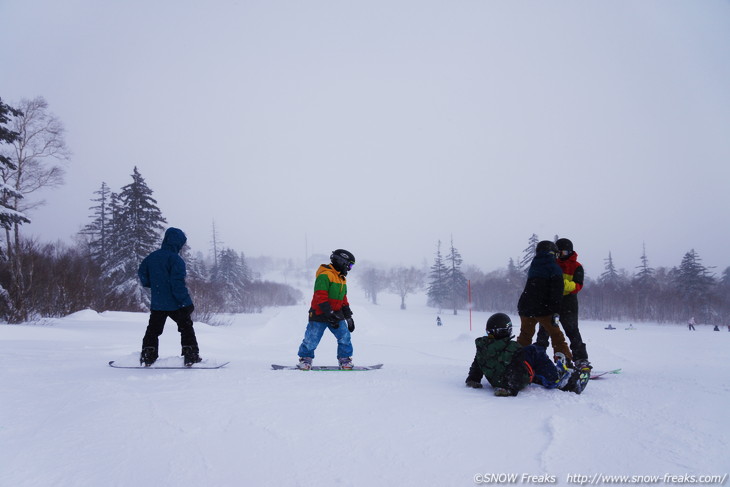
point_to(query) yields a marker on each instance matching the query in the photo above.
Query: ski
(598, 375)
(327, 367)
(201, 365)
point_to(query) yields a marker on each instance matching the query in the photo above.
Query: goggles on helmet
(343, 261)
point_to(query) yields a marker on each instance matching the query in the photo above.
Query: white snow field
(68, 419)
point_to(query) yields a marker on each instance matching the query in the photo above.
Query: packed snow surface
(68, 419)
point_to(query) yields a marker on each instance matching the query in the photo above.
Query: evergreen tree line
(663, 295)
(447, 286)
(100, 271)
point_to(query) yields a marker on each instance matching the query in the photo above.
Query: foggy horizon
(385, 127)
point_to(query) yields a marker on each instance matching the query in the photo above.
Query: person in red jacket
(573, 275)
(330, 310)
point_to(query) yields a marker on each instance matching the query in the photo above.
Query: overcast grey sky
(384, 126)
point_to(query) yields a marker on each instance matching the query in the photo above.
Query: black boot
(148, 356)
(578, 381)
(190, 356)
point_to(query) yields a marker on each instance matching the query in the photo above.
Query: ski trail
(551, 449)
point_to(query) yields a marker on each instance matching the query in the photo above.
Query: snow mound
(83, 315)
(464, 337)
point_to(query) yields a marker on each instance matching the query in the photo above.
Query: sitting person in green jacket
(509, 367)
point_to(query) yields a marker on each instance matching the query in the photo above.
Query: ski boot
(583, 364)
(190, 356)
(345, 363)
(564, 372)
(583, 380)
(305, 363)
(578, 381)
(502, 392)
(476, 384)
(148, 356)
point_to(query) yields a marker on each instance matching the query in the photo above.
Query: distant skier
(509, 367)
(691, 324)
(717, 328)
(573, 274)
(164, 272)
(540, 301)
(330, 309)
(610, 327)
(438, 321)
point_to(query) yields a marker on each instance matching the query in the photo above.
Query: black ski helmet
(564, 245)
(546, 246)
(499, 326)
(342, 260)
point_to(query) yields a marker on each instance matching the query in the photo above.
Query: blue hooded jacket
(164, 272)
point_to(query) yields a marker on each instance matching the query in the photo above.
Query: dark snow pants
(184, 326)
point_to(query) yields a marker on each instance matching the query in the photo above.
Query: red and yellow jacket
(572, 274)
(330, 293)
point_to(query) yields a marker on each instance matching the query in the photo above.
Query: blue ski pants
(313, 335)
(546, 373)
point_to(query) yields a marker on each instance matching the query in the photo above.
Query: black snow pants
(184, 326)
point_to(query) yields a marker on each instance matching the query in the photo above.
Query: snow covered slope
(67, 419)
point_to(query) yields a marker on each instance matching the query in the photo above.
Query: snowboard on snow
(598, 375)
(132, 362)
(327, 367)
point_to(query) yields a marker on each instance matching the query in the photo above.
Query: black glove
(334, 317)
(350, 324)
(328, 315)
(473, 383)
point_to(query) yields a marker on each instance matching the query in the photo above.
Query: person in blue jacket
(163, 271)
